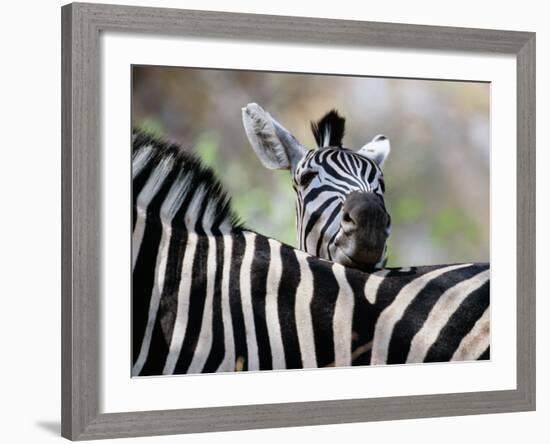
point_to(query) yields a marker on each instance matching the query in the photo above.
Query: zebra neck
(171, 187)
(253, 284)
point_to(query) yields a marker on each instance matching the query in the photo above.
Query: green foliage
(207, 147)
(393, 255)
(267, 207)
(450, 221)
(437, 175)
(152, 126)
(265, 200)
(407, 209)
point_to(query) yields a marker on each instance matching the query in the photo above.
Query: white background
(120, 393)
(30, 240)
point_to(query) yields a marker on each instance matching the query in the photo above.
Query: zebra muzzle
(363, 231)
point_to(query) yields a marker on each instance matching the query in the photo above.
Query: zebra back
(209, 295)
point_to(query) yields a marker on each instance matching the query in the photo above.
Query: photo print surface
(289, 221)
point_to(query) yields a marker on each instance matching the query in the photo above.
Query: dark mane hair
(329, 130)
(187, 177)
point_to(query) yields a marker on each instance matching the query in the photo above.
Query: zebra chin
(362, 259)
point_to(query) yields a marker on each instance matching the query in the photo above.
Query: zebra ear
(274, 145)
(377, 149)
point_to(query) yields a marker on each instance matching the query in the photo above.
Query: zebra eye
(307, 177)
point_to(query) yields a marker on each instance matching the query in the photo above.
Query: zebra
(210, 295)
(340, 210)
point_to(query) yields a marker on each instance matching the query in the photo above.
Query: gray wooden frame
(81, 167)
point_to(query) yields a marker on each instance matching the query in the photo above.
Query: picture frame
(82, 25)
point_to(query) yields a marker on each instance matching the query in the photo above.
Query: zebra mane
(193, 196)
(329, 130)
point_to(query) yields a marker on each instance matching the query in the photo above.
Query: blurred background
(437, 175)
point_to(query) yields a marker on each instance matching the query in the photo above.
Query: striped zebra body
(211, 296)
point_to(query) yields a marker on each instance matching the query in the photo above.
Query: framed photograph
(277, 221)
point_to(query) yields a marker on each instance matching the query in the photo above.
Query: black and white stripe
(319, 203)
(212, 296)
(340, 210)
(323, 179)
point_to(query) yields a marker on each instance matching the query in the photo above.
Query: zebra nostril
(347, 218)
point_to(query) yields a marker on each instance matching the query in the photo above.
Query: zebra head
(340, 211)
